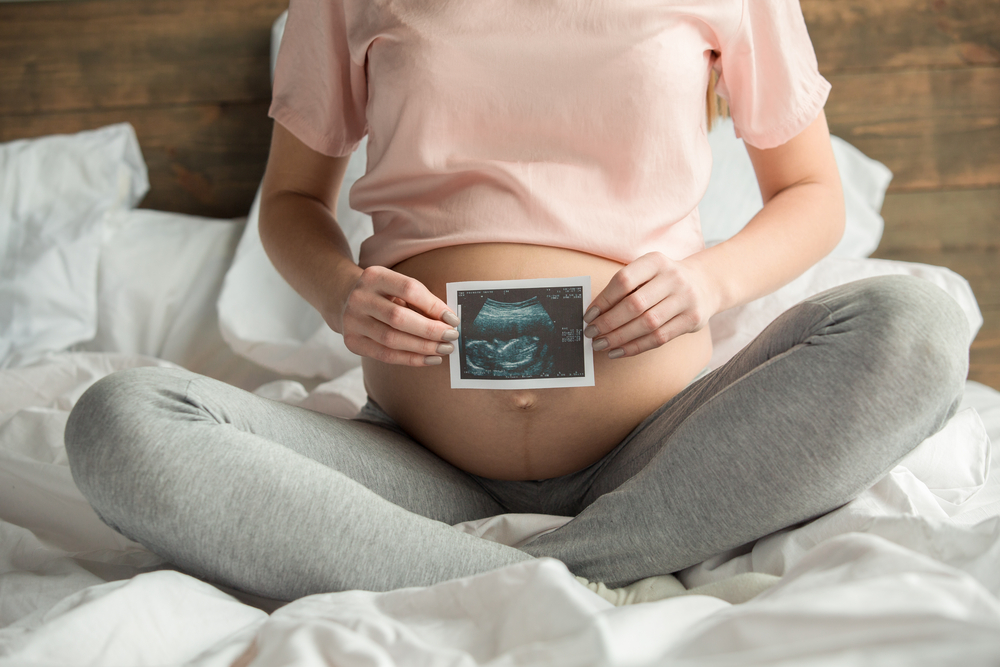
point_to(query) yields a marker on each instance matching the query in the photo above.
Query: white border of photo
(587, 380)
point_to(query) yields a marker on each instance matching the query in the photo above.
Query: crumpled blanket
(907, 573)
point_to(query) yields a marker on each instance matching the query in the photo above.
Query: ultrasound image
(510, 340)
(522, 333)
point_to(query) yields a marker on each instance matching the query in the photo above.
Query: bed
(908, 573)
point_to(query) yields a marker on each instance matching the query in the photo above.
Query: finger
(395, 339)
(647, 323)
(408, 321)
(367, 347)
(623, 283)
(371, 299)
(417, 296)
(664, 334)
(630, 308)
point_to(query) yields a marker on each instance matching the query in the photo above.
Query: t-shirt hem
(305, 133)
(388, 255)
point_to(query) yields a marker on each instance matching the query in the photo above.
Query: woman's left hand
(648, 303)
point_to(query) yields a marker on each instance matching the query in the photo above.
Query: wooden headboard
(190, 75)
(916, 85)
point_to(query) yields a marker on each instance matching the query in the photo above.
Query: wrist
(715, 293)
(334, 299)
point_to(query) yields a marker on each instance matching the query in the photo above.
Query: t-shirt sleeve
(768, 74)
(320, 91)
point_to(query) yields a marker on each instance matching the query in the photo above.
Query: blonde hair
(715, 106)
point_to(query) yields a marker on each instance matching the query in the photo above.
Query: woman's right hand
(381, 313)
(395, 319)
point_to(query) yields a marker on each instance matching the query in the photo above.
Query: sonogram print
(521, 333)
(518, 334)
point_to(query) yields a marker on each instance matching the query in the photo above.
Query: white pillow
(277, 30)
(263, 319)
(159, 274)
(159, 279)
(733, 197)
(54, 192)
(261, 316)
(734, 328)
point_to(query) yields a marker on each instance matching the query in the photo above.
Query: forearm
(382, 314)
(796, 228)
(308, 248)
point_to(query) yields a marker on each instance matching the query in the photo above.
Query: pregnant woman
(516, 139)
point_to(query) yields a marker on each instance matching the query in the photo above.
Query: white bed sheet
(907, 573)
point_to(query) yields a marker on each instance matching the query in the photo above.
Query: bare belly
(528, 433)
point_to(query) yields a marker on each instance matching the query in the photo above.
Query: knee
(914, 332)
(107, 428)
(922, 324)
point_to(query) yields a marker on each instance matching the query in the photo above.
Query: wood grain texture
(191, 76)
(935, 129)
(943, 221)
(959, 230)
(885, 35)
(105, 54)
(204, 159)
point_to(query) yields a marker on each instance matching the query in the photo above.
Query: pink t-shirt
(570, 123)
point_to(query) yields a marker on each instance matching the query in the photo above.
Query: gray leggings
(283, 502)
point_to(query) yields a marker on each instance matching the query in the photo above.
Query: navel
(523, 400)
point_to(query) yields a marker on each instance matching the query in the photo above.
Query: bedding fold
(907, 571)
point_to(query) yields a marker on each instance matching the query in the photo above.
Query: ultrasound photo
(521, 333)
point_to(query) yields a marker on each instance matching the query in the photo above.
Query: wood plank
(204, 159)
(984, 358)
(105, 54)
(861, 35)
(935, 129)
(942, 221)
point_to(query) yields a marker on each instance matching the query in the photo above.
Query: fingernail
(432, 361)
(445, 348)
(450, 318)
(590, 331)
(450, 335)
(614, 354)
(600, 344)
(591, 314)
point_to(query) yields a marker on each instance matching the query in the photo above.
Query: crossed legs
(283, 502)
